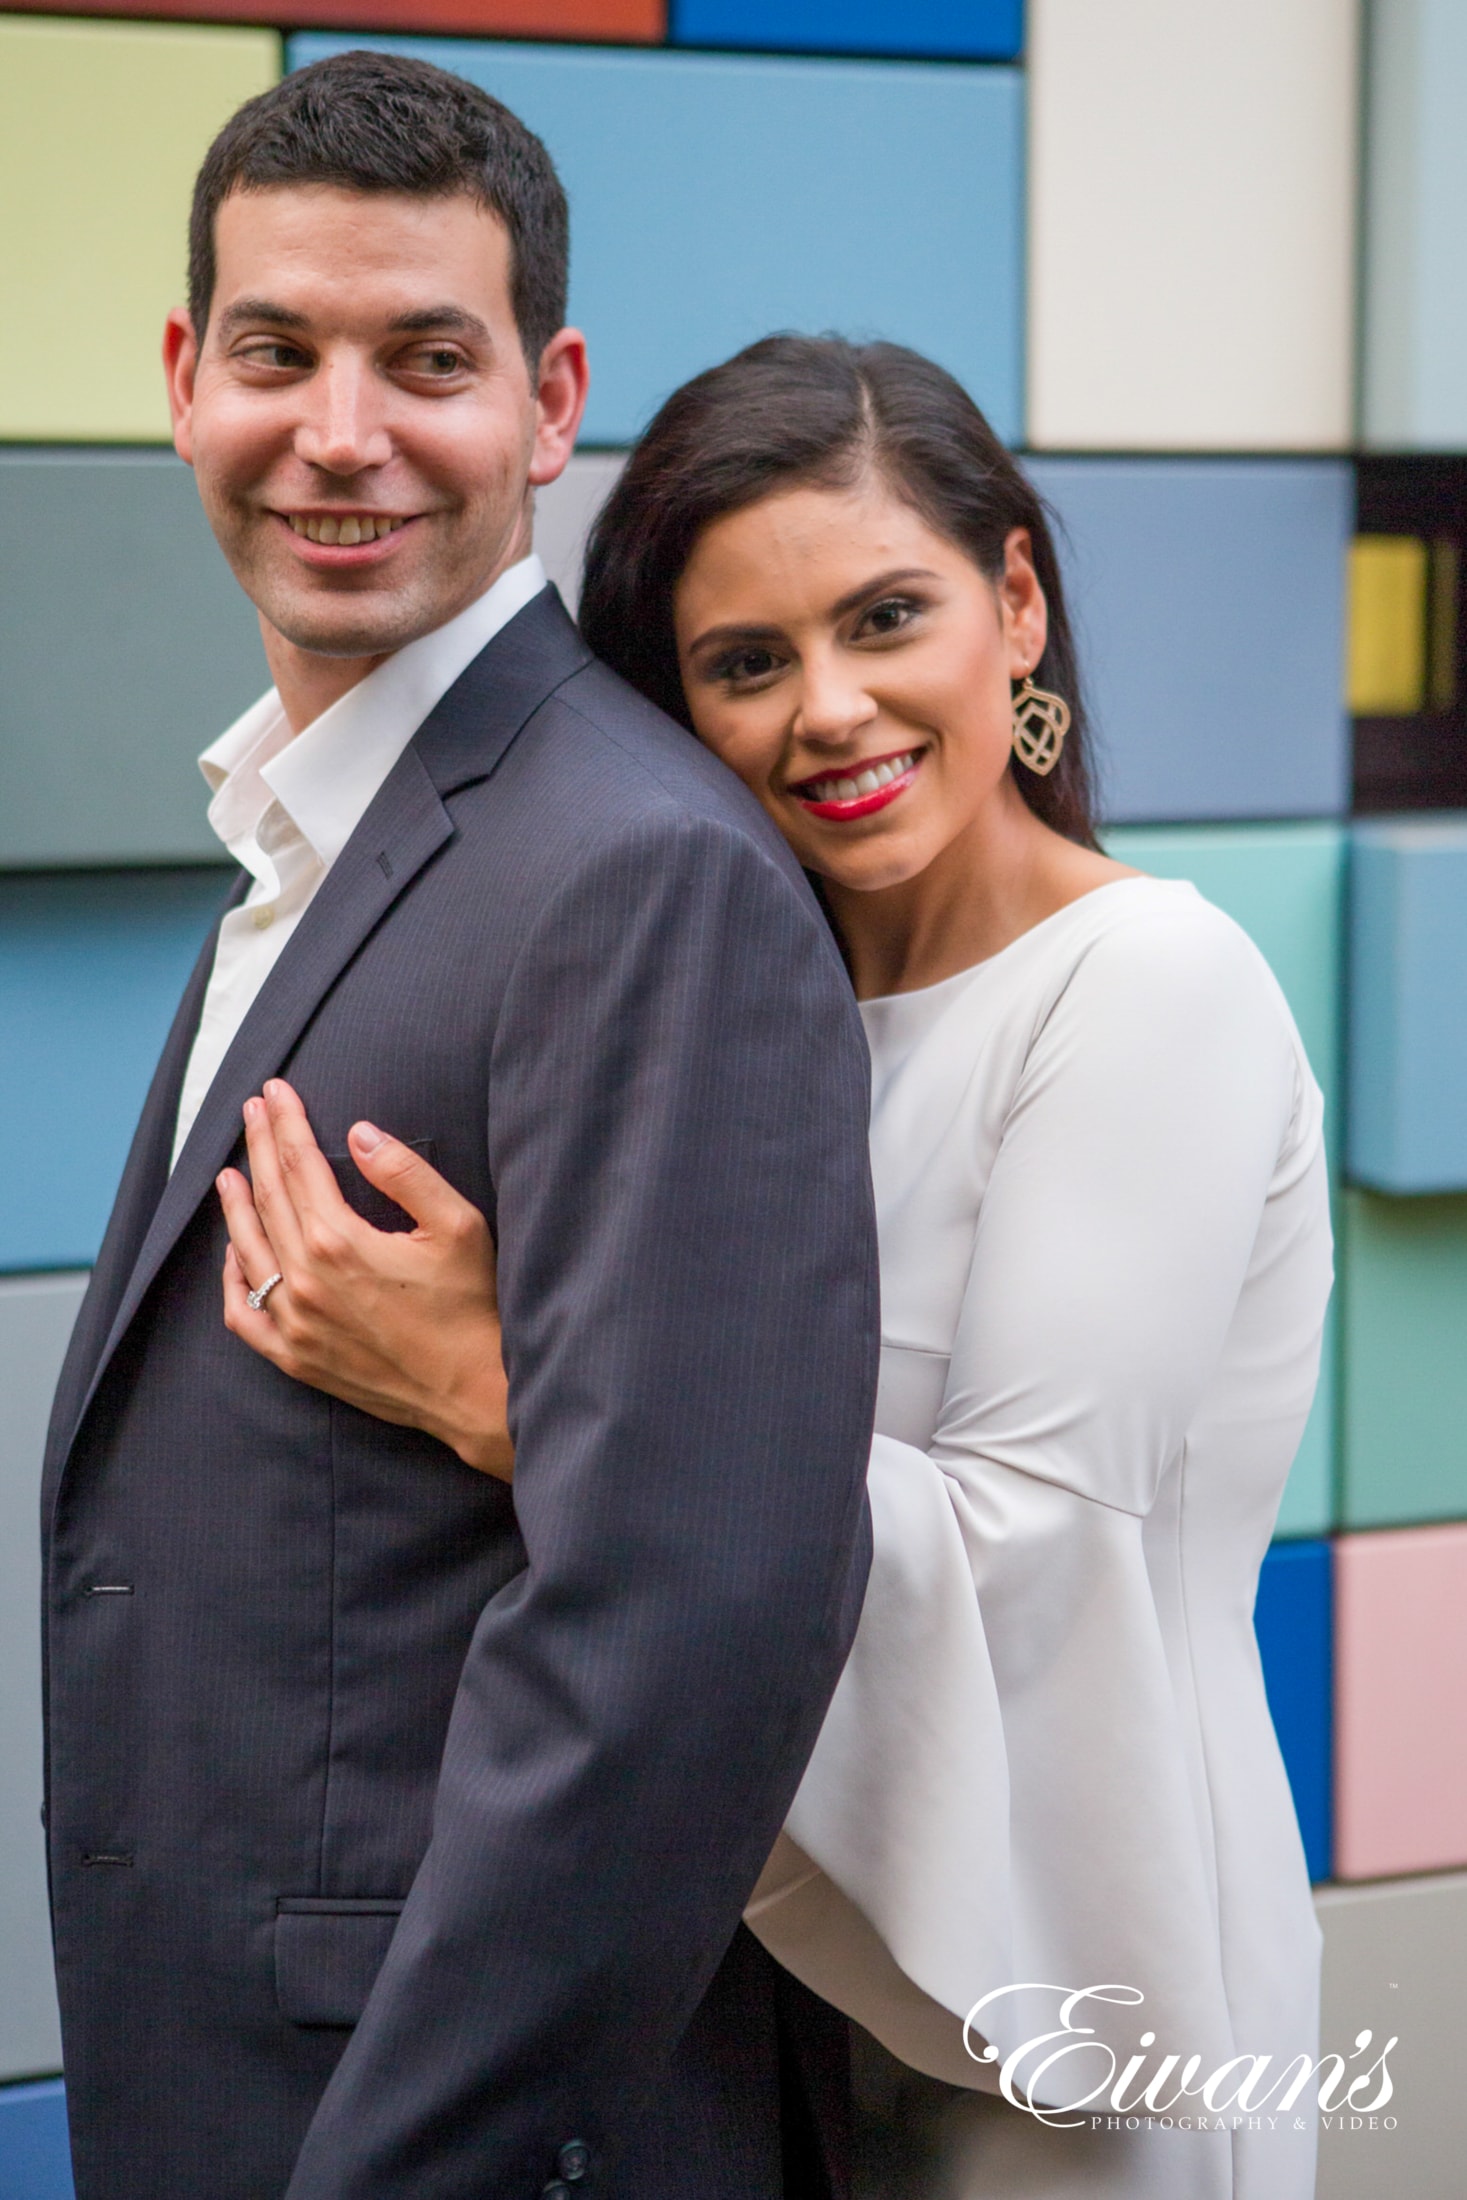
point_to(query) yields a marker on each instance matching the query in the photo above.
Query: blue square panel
(91, 969)
(1285, 885)
(35, 2154)
(1408, 1004)
(1295, 1626)
(972, 30)
(1209, 599)
(717, 198)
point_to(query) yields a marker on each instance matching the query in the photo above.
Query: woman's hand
(404, 1325)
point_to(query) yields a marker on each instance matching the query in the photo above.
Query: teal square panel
(91, 969)
(1408, 1004)
(1404, 1390)
(1284, 884)
(716, 198)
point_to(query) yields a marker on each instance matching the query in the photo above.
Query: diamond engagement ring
(256, 1299)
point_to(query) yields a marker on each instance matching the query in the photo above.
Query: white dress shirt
(286, 804)
(1103, 1209)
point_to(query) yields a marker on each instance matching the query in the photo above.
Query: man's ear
(564, 380)
(180, 365)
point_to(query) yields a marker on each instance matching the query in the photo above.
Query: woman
(1049, 1766)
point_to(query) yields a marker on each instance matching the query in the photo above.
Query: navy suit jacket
(399, 1824)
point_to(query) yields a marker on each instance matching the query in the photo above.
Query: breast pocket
(374, 1206)
(327, 1955)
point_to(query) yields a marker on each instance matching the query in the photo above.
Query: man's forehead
(403, 257)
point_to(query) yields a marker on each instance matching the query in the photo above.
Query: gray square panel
(36, 1315)
(125, 647)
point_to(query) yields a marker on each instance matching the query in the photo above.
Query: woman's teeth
(354, 528)
(866, 782)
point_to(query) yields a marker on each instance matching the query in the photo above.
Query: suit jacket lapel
(461, 740)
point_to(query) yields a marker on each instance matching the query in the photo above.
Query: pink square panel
(1401, 1702)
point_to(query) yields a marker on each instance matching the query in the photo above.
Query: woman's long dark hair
(820, 411)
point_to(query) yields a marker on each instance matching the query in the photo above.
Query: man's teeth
(867, 782)
(356, 527)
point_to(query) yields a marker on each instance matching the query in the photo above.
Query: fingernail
(252, 1110)
(272, 1088)
(367, 1136)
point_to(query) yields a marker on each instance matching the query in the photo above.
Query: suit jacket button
(573, 2160)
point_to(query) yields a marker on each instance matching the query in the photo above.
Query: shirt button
(573, 2160)
(264, 917)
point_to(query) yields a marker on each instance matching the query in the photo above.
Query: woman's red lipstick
(821, 796)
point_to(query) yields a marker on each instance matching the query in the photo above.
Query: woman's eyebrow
(857, 596)
(849, 602)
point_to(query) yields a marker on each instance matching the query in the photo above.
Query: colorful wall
(1203, 264)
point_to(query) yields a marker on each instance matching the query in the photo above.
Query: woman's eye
(888, 617)
(742, 667)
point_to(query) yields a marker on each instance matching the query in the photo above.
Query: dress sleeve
(1007, 1786)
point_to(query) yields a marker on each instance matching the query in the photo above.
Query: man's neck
(307, 682)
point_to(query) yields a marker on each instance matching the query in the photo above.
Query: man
(399, 1831)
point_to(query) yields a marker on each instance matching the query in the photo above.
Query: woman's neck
(1002, 875)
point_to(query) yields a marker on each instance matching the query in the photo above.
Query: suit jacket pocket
(374, 1206)
(327, 1956)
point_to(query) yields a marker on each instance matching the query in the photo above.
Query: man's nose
(344, 428)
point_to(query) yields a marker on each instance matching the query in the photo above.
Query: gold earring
(1041, 721)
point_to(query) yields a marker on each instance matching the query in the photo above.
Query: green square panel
(1284, 884)
(1404, 1449)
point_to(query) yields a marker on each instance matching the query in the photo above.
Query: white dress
(1105, 1250)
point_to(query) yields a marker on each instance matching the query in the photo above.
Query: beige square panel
(1191, 219)
(102, 128)
(564, 514)
(1395, 1955)
(36, 1314)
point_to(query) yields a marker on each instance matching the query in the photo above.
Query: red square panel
(1400, 1702)
(641, 22)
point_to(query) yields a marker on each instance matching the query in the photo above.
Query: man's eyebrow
(429, 319)
(426, 320)
(258, 310)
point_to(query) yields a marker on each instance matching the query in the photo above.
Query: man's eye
(276, 355)
(438, 360)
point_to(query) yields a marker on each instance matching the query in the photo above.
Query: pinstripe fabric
(565, 947)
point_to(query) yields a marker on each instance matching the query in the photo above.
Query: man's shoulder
(627, 766)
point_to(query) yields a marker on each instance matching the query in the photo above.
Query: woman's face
(853, 668)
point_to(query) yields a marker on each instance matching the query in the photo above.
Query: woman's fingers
(248, 1236)
(414, 1184)
(255, 1327)
(300, 1169)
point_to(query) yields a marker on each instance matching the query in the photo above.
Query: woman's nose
(833, 704)
(343, 430)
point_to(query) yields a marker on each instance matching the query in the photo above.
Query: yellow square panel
(102, 128)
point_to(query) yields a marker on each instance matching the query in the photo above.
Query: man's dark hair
(382, 122)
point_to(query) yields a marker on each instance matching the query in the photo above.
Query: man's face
(360, 418)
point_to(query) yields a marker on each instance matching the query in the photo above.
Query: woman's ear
(1021, 600)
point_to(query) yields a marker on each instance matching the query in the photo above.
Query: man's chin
(353, 630)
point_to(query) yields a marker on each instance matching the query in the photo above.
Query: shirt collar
(326, 777)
